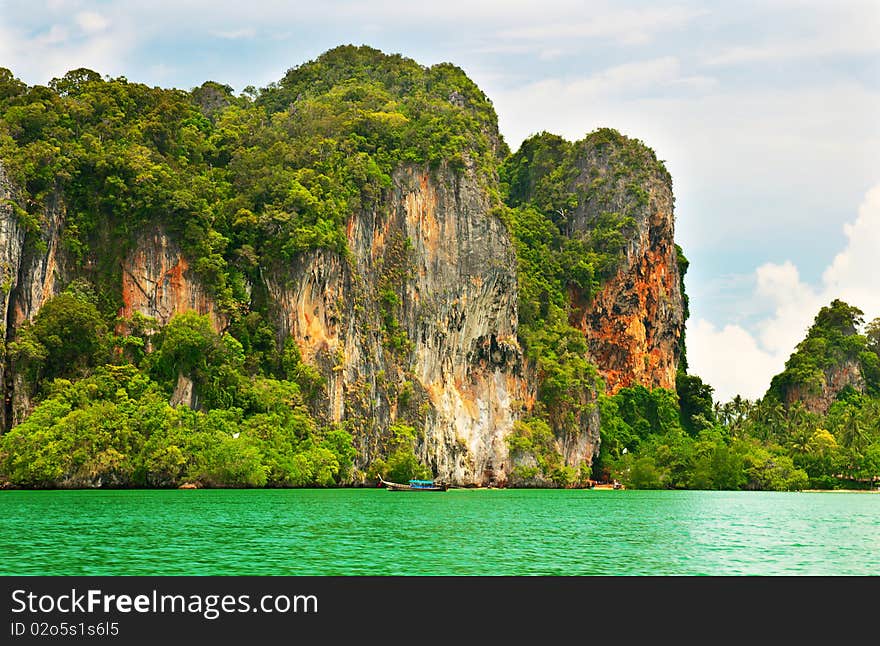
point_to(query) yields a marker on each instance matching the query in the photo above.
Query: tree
(402, 463)
(852, 434)
(74, 81)
(186, 344)
(695, 400)
(735, 413)
(644, 474)
(872, 332)
(67, 337)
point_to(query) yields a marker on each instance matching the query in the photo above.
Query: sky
(766, 113)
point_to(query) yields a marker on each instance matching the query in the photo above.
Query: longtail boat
(415, 485)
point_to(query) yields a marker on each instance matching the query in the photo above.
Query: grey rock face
(418, 326)
(835, 378)
(11, 244)
(30, 275)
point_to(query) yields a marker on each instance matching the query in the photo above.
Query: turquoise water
(460, 532)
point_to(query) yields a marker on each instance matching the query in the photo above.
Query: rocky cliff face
(158, 282)
(635, 322)
(830, 359)
(419, 326)
(43, 267)
(32, 274)
(835, 378)
(11, 243)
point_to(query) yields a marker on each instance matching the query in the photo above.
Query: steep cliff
(634, 323)
(158, 282)
(419, 325)
(818, 396)
(599, 280)
(11, 243)
(33, 268)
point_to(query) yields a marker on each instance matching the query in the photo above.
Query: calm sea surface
(460, 532)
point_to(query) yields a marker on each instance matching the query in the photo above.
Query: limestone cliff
(158, 282)
(418, 326)
(832, 358)
(355, 209)
(635, 322)
(819, 397)
(32, 269)
(600, 280)
(11, 243)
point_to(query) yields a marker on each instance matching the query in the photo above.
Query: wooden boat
(615, 485)
(415, 485)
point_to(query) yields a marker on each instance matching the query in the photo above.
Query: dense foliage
(833, 340)
(238, 180)
(774, 443)
(104, 417)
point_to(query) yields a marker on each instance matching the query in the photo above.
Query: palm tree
(852, 434)
(720, 412)
(796, 418)
(734, 414)
(801, 441)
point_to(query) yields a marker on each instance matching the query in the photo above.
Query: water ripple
(461, 532)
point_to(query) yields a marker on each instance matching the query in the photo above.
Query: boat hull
(394, 486)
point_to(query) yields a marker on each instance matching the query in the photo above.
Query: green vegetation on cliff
(777, 442)
(569, 220)
(238, 180)
(111, 424)
(832, 341)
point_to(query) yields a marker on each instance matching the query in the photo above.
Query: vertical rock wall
(634, 323)
(426, 305)
(11, 245)
(158, 282)
(31, 274)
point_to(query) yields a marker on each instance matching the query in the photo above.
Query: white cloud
(571, 107)
(827, 31)
(83, 39)
(627, 26)
(736, 361)
(235, 34)
(56, 35)
(730, 360)
(855, 272)
(551, 53)
(91, 22)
